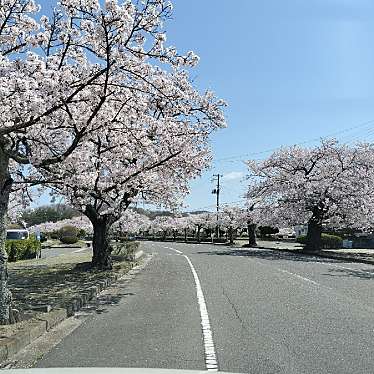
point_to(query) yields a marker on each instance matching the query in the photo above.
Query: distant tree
(80, 222)
(231, 219)
(329, 184)
(48, 213)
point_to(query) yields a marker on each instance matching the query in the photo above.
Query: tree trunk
(231, 235)
(185, 235)
(313, 238)
(5, 188)
(198, 234)
(174, 235)
(251, 228)
(102, 251)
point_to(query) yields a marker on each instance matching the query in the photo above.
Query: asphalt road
(268, 312)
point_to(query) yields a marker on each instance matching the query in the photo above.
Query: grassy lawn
(57, 280)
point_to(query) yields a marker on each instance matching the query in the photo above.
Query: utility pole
(216, 191)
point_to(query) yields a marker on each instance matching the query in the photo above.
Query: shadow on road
(265, 254)
(366, 274)
(109, 298)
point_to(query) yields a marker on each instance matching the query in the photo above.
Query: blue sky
(292, 71)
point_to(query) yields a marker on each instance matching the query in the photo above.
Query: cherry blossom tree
(232, 218)
(330, 183)
(151, 155)
(202, 221)
(80, 222)
(163, 225)
(157, 141)
(183, 224)
(132, 222)
(45, 79)
(74, 74)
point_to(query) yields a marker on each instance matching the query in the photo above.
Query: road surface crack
(236, 312)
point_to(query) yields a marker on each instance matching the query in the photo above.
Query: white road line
(300, 277)
(176, 250)
(210, 353)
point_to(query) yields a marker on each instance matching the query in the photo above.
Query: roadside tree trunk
(231, 235)
(102, 250)
(251, 228)
(185, 235)
(5, 188)
(198, 233)
(314, 236)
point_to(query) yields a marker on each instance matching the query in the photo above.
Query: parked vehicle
(17, 234)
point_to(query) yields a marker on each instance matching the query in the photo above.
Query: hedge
(24, 249)
(327, 241)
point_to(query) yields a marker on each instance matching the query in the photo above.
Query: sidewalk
(361, 255)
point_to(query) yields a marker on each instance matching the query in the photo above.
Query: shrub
(43, 237)
(22, 249)
(81, 234)
(266, 231)
(69, 239)
(301, 239)
(68, 234)
(328, 241)
(54, 235)
(126, 249)
(68, 230)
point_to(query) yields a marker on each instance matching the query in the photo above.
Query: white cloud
(233, 175)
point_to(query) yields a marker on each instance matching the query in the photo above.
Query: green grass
(55, 281)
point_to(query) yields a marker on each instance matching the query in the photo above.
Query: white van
(17, 234)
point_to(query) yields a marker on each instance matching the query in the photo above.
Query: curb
(79, 301)
(10, 345)
(322, 255)
(135, 256)
(43, 322)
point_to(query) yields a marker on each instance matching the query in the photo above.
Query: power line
(240, 157)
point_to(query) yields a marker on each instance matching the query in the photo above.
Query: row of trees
(97, 108)
(329, 185)
(48, 213)
(231, 220)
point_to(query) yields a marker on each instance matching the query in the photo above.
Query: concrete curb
(322, 255)
(82, 299)
(43, 322)
(136, 255)
(33, 329)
